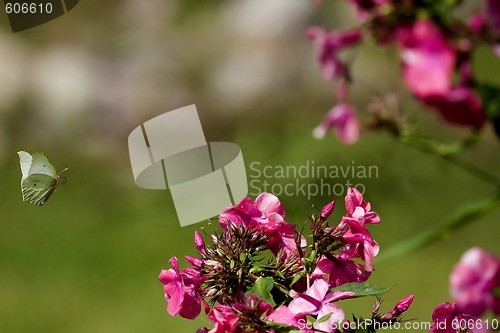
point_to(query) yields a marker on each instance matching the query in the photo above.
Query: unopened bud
(202, 330)
(327, 210)
(402, 305)
(199, 242)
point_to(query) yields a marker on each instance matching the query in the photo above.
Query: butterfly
(39, 179)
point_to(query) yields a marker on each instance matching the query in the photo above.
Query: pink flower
(328, 45)
(360, 244)
(428, 64)
(476, 22)
(358, 209)
(459, 106)
(226, 321)
(473, 282)
(318, 302)
(342, 118)
(254, 304)
(340, 270)
(358, 240)
(448, 318)
(266, 214)
(428, 59)
(182, 291)
(493, 14)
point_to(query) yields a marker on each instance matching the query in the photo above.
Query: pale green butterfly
(39, 178)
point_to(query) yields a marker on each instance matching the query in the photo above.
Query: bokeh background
(75, 87)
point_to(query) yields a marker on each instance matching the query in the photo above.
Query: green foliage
(262, 287)
(362, 289)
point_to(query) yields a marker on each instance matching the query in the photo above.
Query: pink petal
(304, 305)
(283, 315)
(175, 264)
(175, 302)
(166, 276)
(318, 289)
(269, 203)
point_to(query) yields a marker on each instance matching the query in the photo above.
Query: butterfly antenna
(65, 169)
(63, 179)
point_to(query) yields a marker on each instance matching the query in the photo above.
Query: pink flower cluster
(247, 295)
(475, 285)
(435, 52)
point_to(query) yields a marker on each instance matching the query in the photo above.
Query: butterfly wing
(25, 160)
(41, 165)
(38, 188)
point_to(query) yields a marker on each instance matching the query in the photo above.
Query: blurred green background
(75, 87)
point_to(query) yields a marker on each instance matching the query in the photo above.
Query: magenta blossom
(358, 209)
(182, 291)
(473, 282)
(328, 46)
(340, 270)
(477, 23)
(358, 240)
(493, 14)
(360, 244)
(428, 59)
(459, 106)
(342, 118)
(254, 303)
(318, 301)
(448, 318)
(266, 214)
(226, 321)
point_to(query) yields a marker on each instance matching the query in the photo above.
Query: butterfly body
(39, 178)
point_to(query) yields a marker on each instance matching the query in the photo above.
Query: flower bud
(398, 310)
(199, 242)
(202, 330)
(196, 262)
(327, 210)
(403, 305)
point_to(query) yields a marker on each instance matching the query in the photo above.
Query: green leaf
(258, 267)
(296, 278)
(262, 288)
(362, 289)
(324, 318)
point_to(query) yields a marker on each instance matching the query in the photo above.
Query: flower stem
(457, 221)
(450, 153)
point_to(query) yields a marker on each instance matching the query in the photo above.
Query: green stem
(473, 170)
(448, 152)
(459, 220)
